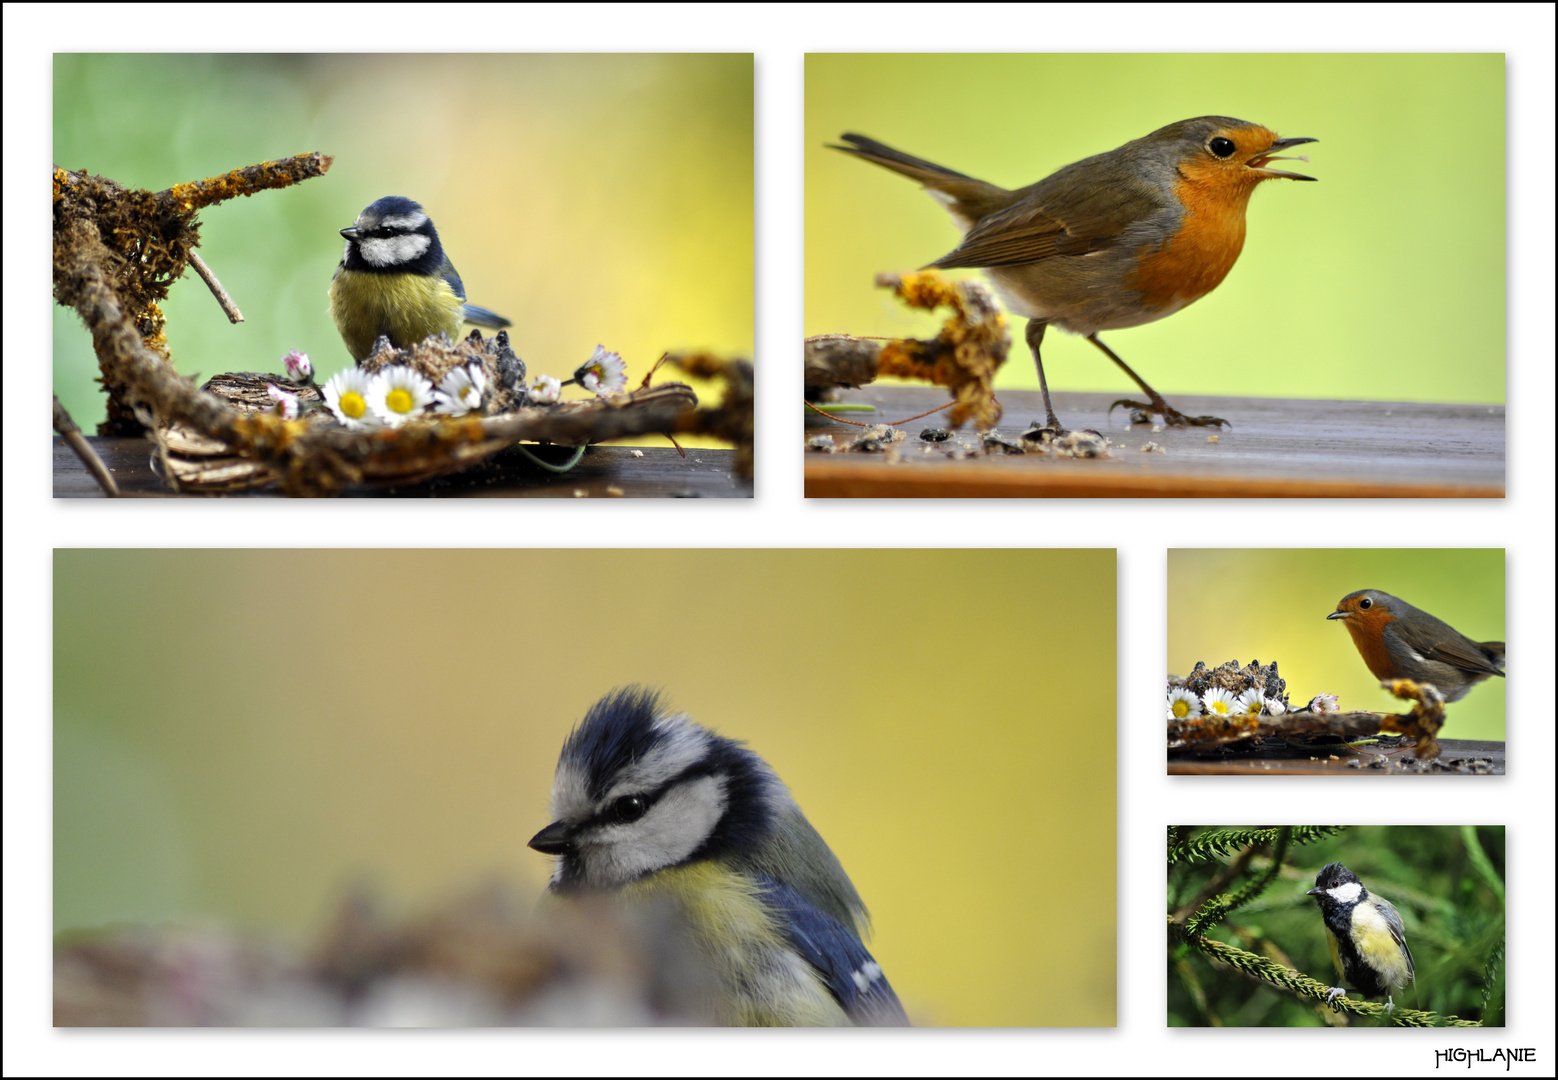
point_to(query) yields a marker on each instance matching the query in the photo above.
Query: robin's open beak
(1259, 160)
(1338, 614)
(555, 839)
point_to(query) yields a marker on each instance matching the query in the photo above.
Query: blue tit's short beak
(351, 233)
(555, 839)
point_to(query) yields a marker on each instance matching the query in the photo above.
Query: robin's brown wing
(1436, 640)
(1057, 216)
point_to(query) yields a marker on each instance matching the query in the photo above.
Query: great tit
(395, 280)
(656, 810)
(1368, 942)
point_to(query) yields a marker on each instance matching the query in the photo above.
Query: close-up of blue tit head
(651, 807)
(395, 280)
(1368, 942)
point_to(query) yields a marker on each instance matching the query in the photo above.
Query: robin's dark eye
(1365, 604)
(629, 808)
(1222, 147)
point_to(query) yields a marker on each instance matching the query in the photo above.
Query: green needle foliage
(1247, 946)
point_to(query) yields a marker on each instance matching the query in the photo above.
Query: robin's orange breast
(1194, 261)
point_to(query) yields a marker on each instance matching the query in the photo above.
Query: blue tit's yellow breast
(405, 307)
(763, 981)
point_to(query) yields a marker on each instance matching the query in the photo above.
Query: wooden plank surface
(1276, 448)
(1456, 757)
(604, 472)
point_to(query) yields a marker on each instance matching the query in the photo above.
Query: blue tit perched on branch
(394, 279)
(1368, 942)
(653, 808)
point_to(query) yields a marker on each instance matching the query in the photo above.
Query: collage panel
(1336, 661)
(1113, 293)
(672, 798)
(596, 339)
(1336, 926)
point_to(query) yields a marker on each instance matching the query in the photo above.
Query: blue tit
(654, 809)
(1368, 942)
(395, 280)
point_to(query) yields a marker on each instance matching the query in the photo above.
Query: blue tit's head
(394, 235)
(640, 789)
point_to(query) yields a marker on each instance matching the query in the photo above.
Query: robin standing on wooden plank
(1398, 641)
(1116, 240)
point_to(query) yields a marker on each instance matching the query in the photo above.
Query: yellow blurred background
(589, 198)
(1384, 281)
(1271, 604)
(241, 735)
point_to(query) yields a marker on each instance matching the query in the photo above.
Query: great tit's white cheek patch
(393, 250)
(1347, 893)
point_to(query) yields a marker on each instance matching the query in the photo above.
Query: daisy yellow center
(468, 395)
(1220, 706)
(1181, 709)
(399, 400)
(1252, 709)
(353, 405)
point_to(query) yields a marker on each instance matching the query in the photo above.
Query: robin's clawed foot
(1172, 417)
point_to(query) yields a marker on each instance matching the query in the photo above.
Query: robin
(1116, 240)
(1398, 641)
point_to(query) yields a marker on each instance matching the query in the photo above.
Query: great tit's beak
(1338, 614)
(1314, 891)
(1260, 160)
(555, 839)
(351, 233)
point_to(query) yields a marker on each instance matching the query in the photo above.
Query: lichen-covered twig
(963, 357)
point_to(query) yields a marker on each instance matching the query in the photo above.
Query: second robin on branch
(1397, 641)
(1115, 240)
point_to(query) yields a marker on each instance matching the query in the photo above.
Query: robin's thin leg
(1035, 336)
(1171, 416)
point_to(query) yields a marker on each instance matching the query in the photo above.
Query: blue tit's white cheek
(570, 793)
(393, 250)
(676, 826)
(1346, 893)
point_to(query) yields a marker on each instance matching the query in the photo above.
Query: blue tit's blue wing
(840, 957)
(480, 316)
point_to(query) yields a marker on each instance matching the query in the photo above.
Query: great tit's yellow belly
(762, 981)
(1387, 961)
(405, 307)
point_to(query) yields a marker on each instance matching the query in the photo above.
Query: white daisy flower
(299, 367)
(1249, 703)
(603, 373)
(1182, 704)
(286, 404)
(1274, 706)
(1324, 703)
(398, 394)
(1217, 702)
(346, 395)
(545, 390)
(461, 391)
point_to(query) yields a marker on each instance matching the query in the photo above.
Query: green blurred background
(1271, 604)
(241, 735)
(589, 198)
(1384, 281)
(1446, 881)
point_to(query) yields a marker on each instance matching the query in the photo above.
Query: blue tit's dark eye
(628, 808)
(1222, 147)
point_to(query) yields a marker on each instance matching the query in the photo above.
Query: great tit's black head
(1337, 884)
(640, 789)
(393, 235)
